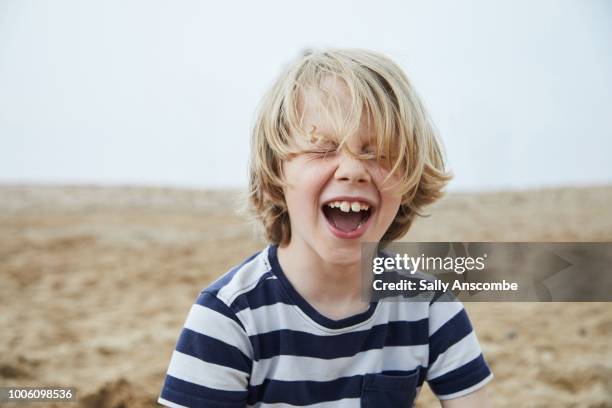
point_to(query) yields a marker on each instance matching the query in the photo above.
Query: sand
(97, 282)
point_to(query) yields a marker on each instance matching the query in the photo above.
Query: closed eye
(317, 153)
(323, 147)
(370, 152)
(369, 155)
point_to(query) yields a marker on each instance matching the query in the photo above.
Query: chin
(344, 255)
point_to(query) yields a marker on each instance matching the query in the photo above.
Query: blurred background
(124, 141)
(164, 93)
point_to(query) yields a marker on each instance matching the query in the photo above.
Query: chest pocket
(389, 391)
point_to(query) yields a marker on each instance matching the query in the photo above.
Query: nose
(352, 170)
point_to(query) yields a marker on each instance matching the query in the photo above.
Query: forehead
(332, 110)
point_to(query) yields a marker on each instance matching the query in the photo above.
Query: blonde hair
(405, 137)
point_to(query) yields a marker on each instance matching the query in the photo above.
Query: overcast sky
(164, 92)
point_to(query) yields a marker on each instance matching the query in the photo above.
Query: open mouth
(347, 216)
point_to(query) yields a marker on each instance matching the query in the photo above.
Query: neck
(320, 281)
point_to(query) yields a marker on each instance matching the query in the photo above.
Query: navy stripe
(212, 302)
(450, 333)
(461, 378)
(198, 396)
(305, 392)
(227, 277)
(422, 374)
(266, 292)
(296, 343)
(212, 350)
(313, 392)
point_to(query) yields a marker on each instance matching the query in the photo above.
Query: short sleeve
(456, 364)
(211, 364)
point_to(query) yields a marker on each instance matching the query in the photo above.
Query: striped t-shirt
(251, 339)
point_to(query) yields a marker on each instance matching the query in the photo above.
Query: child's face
(321, 175)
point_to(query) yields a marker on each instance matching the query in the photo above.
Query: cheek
(378, 172)
(305, 183)
(385, 186)
(391, 204)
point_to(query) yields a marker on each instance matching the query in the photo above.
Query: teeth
(347, 206)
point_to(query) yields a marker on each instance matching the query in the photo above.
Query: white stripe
(170, 404)
(457, 355)
(206, 321)
(467, 390)
(196, 371)
(299, 368)
(281, 316)
(278, 316)
(343, 403)
(403, 310)
(442, 312)
(245, 278)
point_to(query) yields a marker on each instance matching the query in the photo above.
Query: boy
(342, 153)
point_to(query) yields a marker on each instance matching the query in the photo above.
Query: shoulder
(240, 279)
(234, 294)
(216, 312)
(456, 364)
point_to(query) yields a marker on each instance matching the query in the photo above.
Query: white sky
(164, 92)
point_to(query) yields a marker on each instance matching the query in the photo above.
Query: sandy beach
(97, 282)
